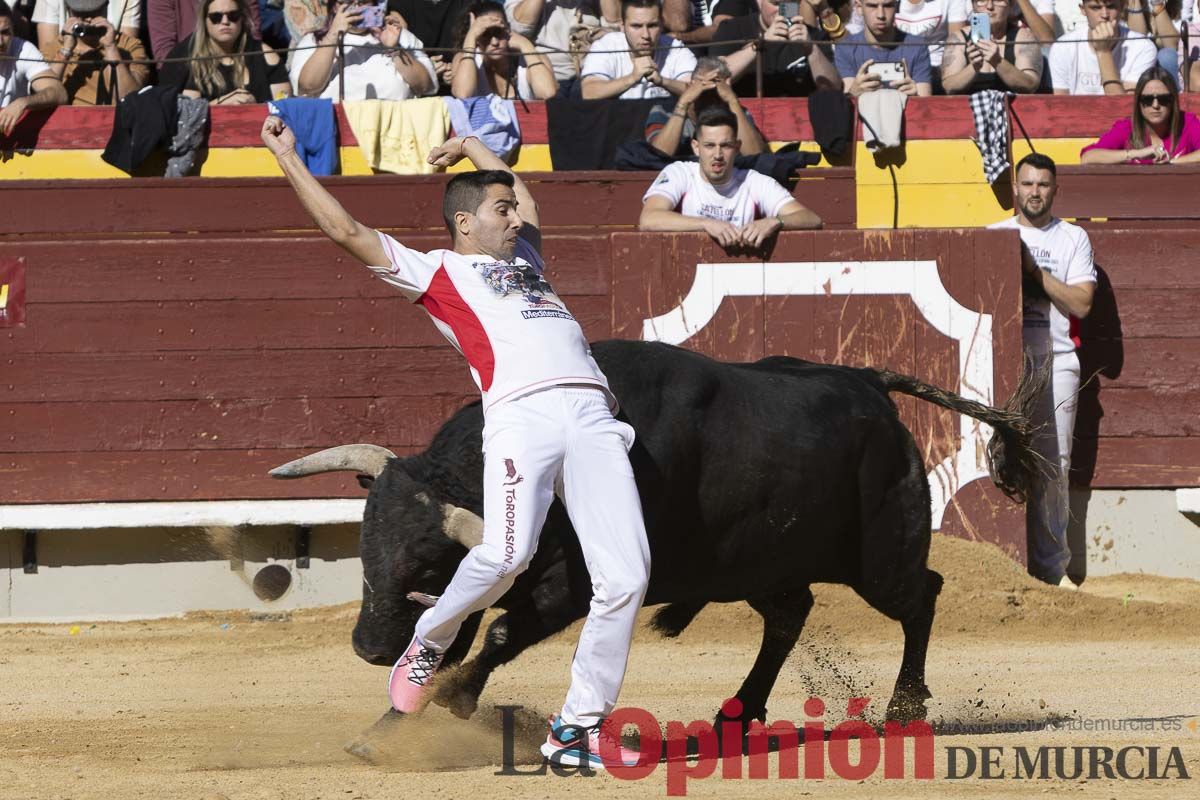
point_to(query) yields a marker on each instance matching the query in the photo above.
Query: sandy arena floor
(226, 706)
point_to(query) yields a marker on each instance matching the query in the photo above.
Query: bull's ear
(461, 525)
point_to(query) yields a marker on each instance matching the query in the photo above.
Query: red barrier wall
(184, 365)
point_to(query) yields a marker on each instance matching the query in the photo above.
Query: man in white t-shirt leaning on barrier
(736, 207)
(1060, 282)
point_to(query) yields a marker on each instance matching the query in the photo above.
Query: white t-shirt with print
(929, 20)
(610, 58)
(1065, 251)
(15, 76)
(370, 72)
(1074, 67)
(503, 316)
(747, 196)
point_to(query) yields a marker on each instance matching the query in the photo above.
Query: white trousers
(565, 441)
(1049, 508)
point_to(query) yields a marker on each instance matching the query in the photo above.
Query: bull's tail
(1014, 464)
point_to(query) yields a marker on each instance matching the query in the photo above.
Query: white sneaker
(1067, 583)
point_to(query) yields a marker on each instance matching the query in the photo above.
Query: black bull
(756, 480)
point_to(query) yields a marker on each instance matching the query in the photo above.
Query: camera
(81, 30)
(787, 10)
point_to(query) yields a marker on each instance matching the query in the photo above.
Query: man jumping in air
(548, 426)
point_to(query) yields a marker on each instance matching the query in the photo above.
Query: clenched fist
(278, 137)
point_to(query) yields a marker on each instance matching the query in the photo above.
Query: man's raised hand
(278, 137)
(448, 153)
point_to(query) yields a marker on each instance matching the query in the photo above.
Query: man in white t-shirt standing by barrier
(1111, 59)
(1060, 282)
(736, 207)
(548, 426)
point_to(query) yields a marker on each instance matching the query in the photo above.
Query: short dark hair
(628, 4)
(466, 191)
(1038, 161)
(715, 117)
(7, 12)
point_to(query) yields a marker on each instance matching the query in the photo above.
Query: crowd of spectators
(238, 51)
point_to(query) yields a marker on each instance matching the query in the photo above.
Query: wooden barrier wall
(183, 360)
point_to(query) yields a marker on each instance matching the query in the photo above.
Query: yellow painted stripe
(939, 183)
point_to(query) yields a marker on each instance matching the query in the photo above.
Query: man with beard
(639, 61)
(736, 207)
(1059, 283)
(548, 427)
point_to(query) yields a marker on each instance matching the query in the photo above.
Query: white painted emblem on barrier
(918, 280)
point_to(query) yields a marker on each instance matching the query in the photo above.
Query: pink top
(1117, 138)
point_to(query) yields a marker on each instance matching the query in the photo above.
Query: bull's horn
(365, 459)
(464, 527)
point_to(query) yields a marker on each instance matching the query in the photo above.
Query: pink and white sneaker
(412, 675)
(567, 747)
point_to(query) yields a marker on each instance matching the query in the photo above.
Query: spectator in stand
(494, 60)
(95, 68)
(272, 26)
(381, 63)
(1110, 62)
(549, 23)
(670, 131)
(1159, 20)
(736, 207)
(172, 21)
(1011, 60)
(933, 22)
(1059, 285)
(230, 66)
(1159, 131)
(22, 14)
(48, 15)
(25, 85)
(639, 61)
(303, 17)
(696, 21)
(1191, 65)
(796, 57)
(881, 42)
(1041, 16)
(434, 22)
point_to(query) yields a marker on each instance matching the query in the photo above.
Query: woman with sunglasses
(490, 58)
(229, 66)
(1160, 132)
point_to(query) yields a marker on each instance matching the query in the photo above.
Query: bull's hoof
(457, 699)
(365, 746)
(909, 706)
(737, 724)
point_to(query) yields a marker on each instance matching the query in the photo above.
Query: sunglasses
(215, 17)
(1147, 100)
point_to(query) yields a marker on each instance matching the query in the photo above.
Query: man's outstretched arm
(356, 239)
(456, 149)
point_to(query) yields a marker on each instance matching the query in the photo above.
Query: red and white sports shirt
(503, 316)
